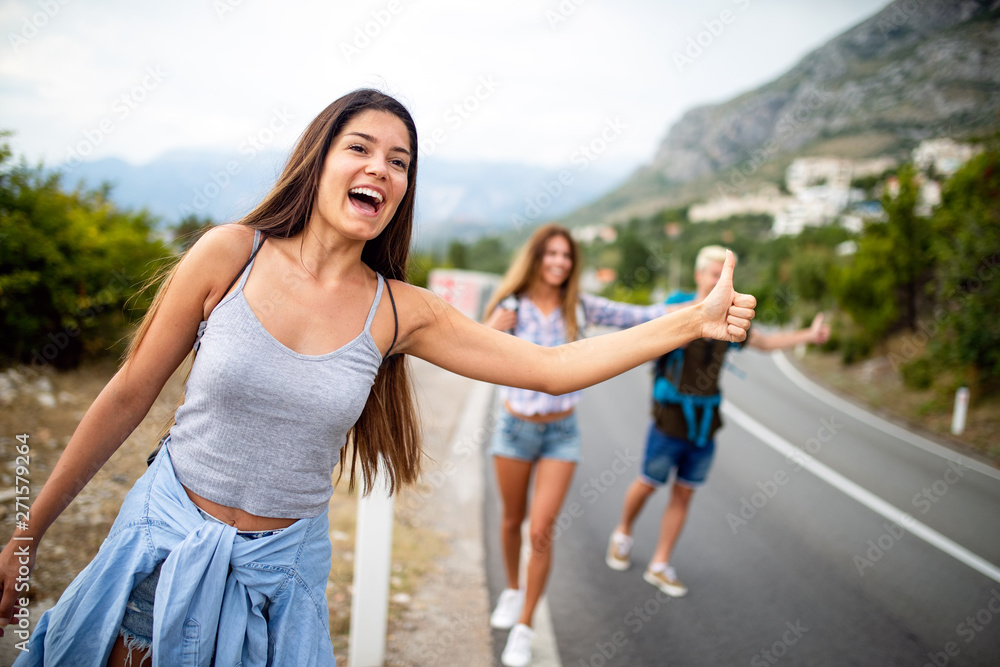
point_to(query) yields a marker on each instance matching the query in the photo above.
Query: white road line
(860, 494)
(876, 422)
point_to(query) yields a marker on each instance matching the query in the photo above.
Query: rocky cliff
(918, 69)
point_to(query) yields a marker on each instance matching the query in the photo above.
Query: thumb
(726, 277)
(817, 321)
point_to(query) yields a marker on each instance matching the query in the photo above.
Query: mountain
(462, 200)
(216, 185)
(918, 69)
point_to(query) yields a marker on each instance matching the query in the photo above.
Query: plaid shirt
(550, 330)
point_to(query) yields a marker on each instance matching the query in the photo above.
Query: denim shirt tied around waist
(211, 594)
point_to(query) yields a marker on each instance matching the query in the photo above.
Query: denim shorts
(529, 441)
(137, 624)
(665, 453)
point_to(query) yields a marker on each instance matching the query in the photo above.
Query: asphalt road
(857, 547)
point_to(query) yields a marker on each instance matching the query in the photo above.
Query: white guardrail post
(372, 564)
(961, 409)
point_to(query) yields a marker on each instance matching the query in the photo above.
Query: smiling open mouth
(366, 199)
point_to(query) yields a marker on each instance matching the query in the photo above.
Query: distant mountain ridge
(454, 199)
(916, 70)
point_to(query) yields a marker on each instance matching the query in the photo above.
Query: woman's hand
(16, 562)
(502, 319)
(726, 312)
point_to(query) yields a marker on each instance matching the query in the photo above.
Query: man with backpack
(685, 419)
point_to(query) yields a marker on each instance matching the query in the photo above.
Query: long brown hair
(387, 432)
(527, 266)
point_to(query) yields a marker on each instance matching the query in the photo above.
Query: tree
(69, 262)
(458, 255)
(189, 230)
(635, 259)
(885, 286)
(912, 258)
(967, 226)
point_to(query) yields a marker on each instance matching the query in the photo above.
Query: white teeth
(365, 191)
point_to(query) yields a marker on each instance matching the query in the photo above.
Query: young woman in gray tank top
(303, 353)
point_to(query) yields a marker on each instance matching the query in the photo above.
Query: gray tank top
(261, 426)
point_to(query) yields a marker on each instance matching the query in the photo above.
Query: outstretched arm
(126, 399)
(440, 334)
(817, 333)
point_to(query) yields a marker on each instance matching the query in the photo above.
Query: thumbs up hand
(727, 313)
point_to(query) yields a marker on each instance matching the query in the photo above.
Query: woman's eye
(399, 163)
(356, 147)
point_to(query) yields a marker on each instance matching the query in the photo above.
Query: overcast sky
(518, 81)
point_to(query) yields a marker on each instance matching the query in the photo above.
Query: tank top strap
(253, 258)
(378, 298)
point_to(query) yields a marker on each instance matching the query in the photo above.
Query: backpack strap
(395, 321)
(666, 392)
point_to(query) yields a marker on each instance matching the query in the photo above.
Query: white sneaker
(666, 580)
(508, 609)
(517, 653)
(619, 552)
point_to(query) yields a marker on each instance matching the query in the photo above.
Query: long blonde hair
(526, 268)
(387, 432)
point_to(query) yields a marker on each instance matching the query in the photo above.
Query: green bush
(69, 262)
(855, 348)
(918, 374)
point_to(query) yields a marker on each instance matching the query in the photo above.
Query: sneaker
(517, 653)
(508, 609)
(666, 580)
(619, 552)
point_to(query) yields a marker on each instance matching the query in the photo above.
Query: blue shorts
(137, 624)
(516, 438)
(664, 453)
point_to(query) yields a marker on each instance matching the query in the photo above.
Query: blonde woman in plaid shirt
(539, 300)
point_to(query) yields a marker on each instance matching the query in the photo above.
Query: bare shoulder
(418, 302)
(215, 259)
(221, 246)
(417, 308)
